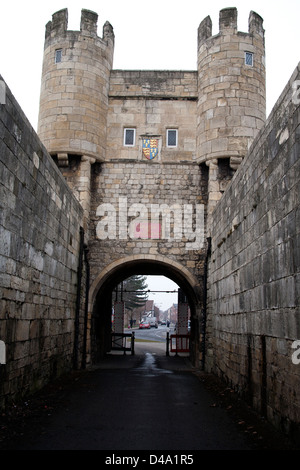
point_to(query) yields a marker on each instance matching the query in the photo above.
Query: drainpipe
(87, 284)
(78, 297)
(208, 253)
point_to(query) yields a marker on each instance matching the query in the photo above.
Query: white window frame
(248, 53)
(124, 137)
(58, 55)
(167, 137)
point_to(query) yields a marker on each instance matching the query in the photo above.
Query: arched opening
(157, 315)
(101, 298)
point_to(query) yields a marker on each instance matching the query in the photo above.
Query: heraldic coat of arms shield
(150, 148)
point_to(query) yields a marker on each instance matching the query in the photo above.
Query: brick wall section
(39, 232)
(253, 297)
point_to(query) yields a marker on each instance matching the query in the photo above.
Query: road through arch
(100, 298)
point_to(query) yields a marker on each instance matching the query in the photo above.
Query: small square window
(129, 137)
(249, 59)
(172, 137)
(58, 55)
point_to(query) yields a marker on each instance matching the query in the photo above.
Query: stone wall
(39, 258)
(146, 183)
(253, 297)
(152, 102)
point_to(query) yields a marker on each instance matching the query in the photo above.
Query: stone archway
(101, 290)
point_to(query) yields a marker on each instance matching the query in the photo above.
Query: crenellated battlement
(58, 27)
(228, 25)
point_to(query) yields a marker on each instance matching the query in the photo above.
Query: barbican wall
(253, 295)
(39, 259)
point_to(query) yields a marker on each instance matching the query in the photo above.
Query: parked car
(144, 324)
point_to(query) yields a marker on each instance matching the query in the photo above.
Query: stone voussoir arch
(177, 269)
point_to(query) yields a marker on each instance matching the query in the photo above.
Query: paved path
(142, 402)
(146, 402)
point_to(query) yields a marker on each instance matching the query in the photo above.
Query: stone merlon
(228, 21)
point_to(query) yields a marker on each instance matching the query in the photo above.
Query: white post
(2, 353)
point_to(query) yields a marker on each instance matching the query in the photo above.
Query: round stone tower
(74, 98)
(74, 88)
(231, 95)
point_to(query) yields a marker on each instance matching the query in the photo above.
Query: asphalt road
(142, 402)
(153, 334)
(129, 403)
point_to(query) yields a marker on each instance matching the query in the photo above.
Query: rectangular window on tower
(58, 56)
(249, 59)
(129, 137)
(172, 137)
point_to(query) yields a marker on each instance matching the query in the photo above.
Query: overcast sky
(162, 300)
(159, 34)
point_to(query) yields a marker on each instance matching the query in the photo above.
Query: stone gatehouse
(134, 143)
(153, 172)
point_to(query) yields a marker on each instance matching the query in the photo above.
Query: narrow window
(172, 137)
(58, 55)
(249, 59)
(129, 137)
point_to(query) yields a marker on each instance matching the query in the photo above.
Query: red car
(144, 324)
